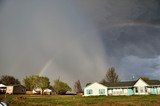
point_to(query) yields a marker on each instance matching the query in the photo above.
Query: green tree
(61, 87)
(77, 86)
(35, 81)
(9, 80)
(111, 76)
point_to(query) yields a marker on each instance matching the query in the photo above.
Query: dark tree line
(9, 80)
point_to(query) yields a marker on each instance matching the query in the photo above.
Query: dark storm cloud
(142, 41)
(128, 28)
(135, 34)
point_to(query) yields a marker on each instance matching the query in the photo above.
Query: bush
(61, 87)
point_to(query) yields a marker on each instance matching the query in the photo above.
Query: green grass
(70, 100)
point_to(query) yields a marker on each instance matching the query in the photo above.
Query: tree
(36, 81)
(88, 83)
(111, 76)
(77, 86)
(103, 81)
(61, 87)
(9, 80)
(145, 78)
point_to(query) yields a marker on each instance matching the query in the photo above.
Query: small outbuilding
(37, 90)
(47, 91)
(95, 89)
(16, 89)
(3, 88)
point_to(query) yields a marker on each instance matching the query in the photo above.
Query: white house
(37, 90)
(95, 89)
(139, 87)
(47, 91)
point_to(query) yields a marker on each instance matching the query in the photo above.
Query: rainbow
(45, 67)
(138, 23)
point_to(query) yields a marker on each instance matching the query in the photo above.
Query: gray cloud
(79, 39)
(140, 67)
(54, 33)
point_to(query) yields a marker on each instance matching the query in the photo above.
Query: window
(101, 91)
(136, 90)
(89, 91)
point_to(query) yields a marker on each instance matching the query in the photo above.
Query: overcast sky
(80, 39)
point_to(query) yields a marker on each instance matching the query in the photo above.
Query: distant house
(139, 87)
(47, 91)
(37, 90)
(3, 88)
(95, 89)
(16, 89)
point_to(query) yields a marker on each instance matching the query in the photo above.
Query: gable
(95, 85)
(140, 82)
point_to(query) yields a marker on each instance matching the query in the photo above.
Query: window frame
(89, 91)
(102, 91)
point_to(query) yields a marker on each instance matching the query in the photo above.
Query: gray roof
(131, 83)
(153, 82)
(121, 84)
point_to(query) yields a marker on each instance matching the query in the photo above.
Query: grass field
(70, 100)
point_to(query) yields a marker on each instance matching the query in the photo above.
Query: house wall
(154, 90)
(19, 90)
(140, 82)
(9, 89)
(95, 90)
(141, 87)
(130, 92)
(117, 91)
(120, 91)
(158, 90)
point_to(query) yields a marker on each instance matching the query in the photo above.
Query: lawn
(71, 100)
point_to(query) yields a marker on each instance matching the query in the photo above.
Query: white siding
(118, 91)
(140, 85)
(95, 87)
(158, 90)
(9, 89)
(140, 82)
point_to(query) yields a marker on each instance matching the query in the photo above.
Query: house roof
(153, 82)
(2, 85)
(131, 83)
(19, 85)
(94, 84)
(121, 84)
